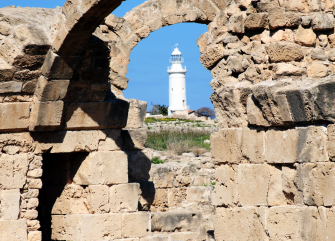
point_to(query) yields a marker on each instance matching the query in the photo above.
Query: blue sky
(147, 75)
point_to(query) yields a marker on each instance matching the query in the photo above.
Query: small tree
(205, 111)
(158, 109)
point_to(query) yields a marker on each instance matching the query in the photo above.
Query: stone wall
(62, 73)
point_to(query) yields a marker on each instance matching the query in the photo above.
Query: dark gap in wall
(58, 171)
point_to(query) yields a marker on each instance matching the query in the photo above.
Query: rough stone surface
(97, 167)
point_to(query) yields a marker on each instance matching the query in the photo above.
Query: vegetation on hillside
(178, 142)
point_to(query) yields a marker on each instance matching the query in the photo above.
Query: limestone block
(312, 144)
(212, 56)
(162, 175)
(275, 194)
(255, 114)
(175, 220)
(32, 193)
(136, 114)
(330, 223)
(118, 80)
(14, 116)
(253, 180)
(10, 204)
(298, 222)
(331, 141)
(225, 187)
(34, 183)
(281, 146)
(283, 69)
(139, 165)
(284, 52)
(98, 199)
(35, 236)
(199, 194)
(31, 39)
(58, 67)
(118, 68)
(124, 197)
(35, 173)
(278, 18)
(31, 214)
(10, 87)
(6, 70)
(87, 115)
(86, 227)
(134, 138)
(176, 196)
(112, 142)
(46, 115)
(226, 145)
(71, 199)
(252, 145)
(29, 87)
(13, 170)
(161, 198)
(102, 168)
(95, 115)
(33, 225)
(319, 181)
(318, 54)
(9, 51)
(32, 203)
(240, 223)
(135, 224)
(13, 230)
(236, 22)
(185, 236)
(318, 70)
(256, 21)
(51, 90)
(322, 22)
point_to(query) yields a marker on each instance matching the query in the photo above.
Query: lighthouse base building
(177, 85)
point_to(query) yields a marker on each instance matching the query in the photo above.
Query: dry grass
(178, 146)
(199, 151)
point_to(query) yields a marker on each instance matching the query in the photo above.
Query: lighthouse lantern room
(177, 84)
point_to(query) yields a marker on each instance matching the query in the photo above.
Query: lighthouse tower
(177, 84)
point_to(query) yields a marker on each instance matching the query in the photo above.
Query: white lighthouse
(177, 84)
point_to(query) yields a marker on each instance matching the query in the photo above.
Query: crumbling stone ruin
(72, 165)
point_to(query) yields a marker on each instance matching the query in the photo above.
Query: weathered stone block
(6, 71)
(51, 90)
(35, 236)
(13, 230)
(9, 51)
(124, 197)
(112, 142)
(136, 114)
(98, 198)
(118, 80)
(240, 223)
(212, 56)
(10, 204)
(226, 145)
(199, 194)
(14, 116)
(46, 115)
(284, 52)
(252, 145)
(102, 168)
(86, 227)
(58, 67)
(300, 223)
(161, 198)
(281, 146)
(225, 191)
(319, 181)
(10, 87)
(170, 221)
(322, 22)
(134, 138)
(256, 21)
(97, 115)
(252, 185)
(162, 175)
(135, 224)
(13, 170)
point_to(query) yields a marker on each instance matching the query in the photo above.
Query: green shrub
(156, 160)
